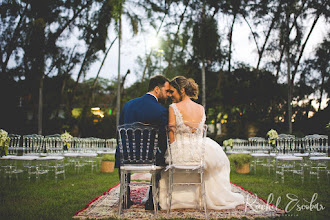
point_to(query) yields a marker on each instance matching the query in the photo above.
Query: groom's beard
(162, 100)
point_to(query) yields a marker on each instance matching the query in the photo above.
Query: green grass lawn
(46, 199)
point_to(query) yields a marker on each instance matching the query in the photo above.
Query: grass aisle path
(46, 199)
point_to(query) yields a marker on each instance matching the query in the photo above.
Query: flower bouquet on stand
(228, 143)
(66, 138)
(272, 136)
(4, 142)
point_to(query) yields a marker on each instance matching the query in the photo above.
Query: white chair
(56, 165)
(33, 145)
(138, 145)
(285, 163)
(194, 163)
(33, 164)
(89, 159)
(317, 165)
(75, 159)
(14, 144)
(262, 159)
(317, 144)
(258, 144)
(9, 167)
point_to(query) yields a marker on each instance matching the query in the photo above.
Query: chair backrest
(193, 147)
(33, 143)
(14, 144)
(110, 144)
(138, 143)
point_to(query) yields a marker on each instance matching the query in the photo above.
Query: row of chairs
(284, 144)
(296, 164)
(53, 144)
(39, 155)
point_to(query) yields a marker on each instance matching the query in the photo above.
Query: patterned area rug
(106, 206)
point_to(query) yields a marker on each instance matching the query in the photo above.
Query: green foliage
(205, 39)
(240, 159)
(108, 157)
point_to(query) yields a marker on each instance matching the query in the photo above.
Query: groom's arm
(162, 139)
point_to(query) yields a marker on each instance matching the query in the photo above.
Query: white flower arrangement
(228, 142)
(66, 137)
(4, 142)
(272, 136)
(3, 135)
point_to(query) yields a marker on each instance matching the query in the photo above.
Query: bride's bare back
(191, 112)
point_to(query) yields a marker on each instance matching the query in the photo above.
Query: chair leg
(154, 194)
(122, 193)
(170, 190)
(203, 194)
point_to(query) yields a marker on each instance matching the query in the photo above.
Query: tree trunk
(40, 105)
(278, 69)
(203, 85)
(90, 93)
(230, 43)
(253, 34)
(105, 56)
(52, 38)
(10, 45)
(174, 41)
(274, 20)
(287, 47)
(288, 33)
(118, 79)
(303, 48)
(321, 91)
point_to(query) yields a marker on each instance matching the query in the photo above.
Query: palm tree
(205, 43)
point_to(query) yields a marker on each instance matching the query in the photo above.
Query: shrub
(240, 159)
(108, 157)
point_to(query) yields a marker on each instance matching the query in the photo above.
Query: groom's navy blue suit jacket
(147, 110)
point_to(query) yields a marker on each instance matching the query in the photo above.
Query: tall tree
(205, 43)
(321, 65)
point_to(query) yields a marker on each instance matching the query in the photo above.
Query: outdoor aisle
(106, 206)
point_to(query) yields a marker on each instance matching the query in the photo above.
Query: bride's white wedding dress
(217, 170)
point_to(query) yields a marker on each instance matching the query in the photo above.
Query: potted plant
(107, 163)
(241, 162)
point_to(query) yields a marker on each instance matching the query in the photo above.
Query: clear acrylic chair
(14, 144)
(318, 165)
(33, 145)
(193, 163)
(8, 166)
(56, 165)
(289, 164)
(138, 145)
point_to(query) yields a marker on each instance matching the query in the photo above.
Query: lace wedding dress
(217, 170)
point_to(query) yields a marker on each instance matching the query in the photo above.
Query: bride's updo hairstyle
(189, 85)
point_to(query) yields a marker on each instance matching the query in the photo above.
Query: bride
(186, 116)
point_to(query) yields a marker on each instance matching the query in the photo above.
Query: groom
(146, 109)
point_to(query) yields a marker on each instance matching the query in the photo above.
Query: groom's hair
(157, 80)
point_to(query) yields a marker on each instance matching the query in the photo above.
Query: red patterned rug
(106, 206)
